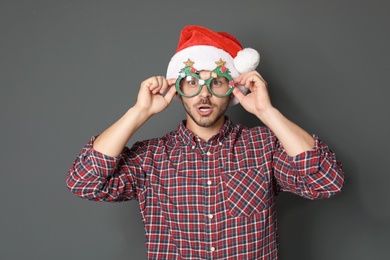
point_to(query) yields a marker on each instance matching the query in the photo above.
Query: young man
(207, 190)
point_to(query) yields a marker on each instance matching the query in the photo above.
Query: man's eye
(216, 82)
(192, 82)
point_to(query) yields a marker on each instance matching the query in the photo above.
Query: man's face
(205, 110)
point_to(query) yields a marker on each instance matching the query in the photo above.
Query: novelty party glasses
(189, 84)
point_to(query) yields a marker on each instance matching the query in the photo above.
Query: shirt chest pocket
(246, 192)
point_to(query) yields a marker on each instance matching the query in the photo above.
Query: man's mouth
(205, 110)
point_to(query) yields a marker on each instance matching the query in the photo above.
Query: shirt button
(220, 143)
(208, 153)
(193, 147)
(210, 216)
(212, 249)
(209, 182)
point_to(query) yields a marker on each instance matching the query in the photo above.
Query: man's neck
(205, 133)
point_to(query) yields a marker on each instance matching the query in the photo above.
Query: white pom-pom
(246, 60)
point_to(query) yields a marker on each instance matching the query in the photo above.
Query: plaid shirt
(207, 200)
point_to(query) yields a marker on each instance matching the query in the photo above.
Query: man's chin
(207, 121)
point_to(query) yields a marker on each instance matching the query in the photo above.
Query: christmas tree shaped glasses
(220, 83)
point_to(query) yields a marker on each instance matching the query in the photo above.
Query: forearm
(294, 139)
(112, 141)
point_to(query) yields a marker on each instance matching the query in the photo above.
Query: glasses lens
(220, 86)
(189, 85)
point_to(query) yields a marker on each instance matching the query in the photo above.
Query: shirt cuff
(102, 164)
(309, 161)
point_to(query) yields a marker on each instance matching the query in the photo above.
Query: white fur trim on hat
(204, 58)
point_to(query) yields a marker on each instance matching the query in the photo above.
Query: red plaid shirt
(207, 200)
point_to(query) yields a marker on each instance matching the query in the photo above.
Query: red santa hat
(205, 47)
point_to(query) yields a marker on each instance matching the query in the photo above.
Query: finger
(252, 81)
(171, 81)
(244, 78)
(238, 94)
(147, 82)
(152, 83)
(157, 84)
(245, 81)
(238, 80)
(167, 83)
(163, 86)
(161, 80)
(170, 94)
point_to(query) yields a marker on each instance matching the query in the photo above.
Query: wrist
(267, 114)
(141, 111)
(136, 116)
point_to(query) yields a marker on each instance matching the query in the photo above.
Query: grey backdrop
(68, 69)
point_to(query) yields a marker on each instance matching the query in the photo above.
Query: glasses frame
(220, 71)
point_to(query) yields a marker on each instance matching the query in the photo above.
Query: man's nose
(204, 92)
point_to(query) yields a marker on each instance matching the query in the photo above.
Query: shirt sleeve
(98, 177)
(314, 174)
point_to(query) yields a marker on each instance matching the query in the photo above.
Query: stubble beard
(206, 121)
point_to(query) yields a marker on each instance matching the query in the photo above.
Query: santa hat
(205, 47)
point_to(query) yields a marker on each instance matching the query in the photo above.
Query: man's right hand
(155, 95)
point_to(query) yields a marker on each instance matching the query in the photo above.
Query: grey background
(68, 69)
